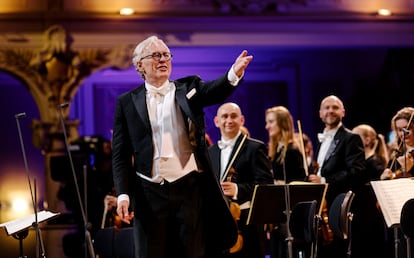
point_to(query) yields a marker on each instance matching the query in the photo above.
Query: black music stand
(19, 228)
(268, 201)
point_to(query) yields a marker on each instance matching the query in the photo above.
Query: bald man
(247, 158)
(341, 159)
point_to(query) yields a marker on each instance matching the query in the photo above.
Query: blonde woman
(284, 151)
(376, 154)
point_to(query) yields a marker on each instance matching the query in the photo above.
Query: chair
(340, 217)
(104, 242)
(303, 224)
(113, 242)
(124, 243)
(407, 223)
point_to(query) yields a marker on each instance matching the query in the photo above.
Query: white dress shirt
(326, 139)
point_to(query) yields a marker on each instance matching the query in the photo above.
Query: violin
(113, 220)
(326, 231)
(399, 173)
(235, 212)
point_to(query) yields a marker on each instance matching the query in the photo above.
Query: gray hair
(139, 50)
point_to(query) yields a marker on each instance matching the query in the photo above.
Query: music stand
(18, 228)
(268, 201)
(271, 204)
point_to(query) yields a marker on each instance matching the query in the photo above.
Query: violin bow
(302, 146)
(230, 164)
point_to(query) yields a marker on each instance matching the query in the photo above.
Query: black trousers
(168, 219)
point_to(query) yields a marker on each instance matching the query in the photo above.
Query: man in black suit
(241, 163)
(160, 158)
(341, 160)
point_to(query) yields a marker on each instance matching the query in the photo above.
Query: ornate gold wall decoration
(53, 76)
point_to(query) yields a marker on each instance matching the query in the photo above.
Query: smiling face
(229, 119)
(155, 72)
(331, 111)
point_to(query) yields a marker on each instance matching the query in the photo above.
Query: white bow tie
(323, 136)
(157, 92)
(223, 144)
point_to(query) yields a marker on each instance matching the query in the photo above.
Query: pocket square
(191, 93)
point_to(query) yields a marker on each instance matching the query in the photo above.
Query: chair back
(407, 218)
(339, 216)
(303, 221)
(113, 242)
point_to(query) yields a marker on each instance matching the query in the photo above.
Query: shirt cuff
(233, 78)
(323, 180)
(123, 197)
(236, 193)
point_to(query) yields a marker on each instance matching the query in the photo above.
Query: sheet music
(20, 224)
(392, 195)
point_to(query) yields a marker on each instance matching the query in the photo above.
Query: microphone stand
(39, 243)
(405, 132)
(87, 226)
(287, 211)
(403, 146)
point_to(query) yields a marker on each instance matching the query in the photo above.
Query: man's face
(229, 119)
(331, 112)
(156, 72)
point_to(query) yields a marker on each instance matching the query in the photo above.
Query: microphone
(405, 131)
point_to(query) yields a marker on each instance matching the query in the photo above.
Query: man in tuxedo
(240, 163)
(341, 160)
(160, 162)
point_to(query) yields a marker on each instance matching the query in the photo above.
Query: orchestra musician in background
(287, 164)
(401, 162)
(400, 165)
(245, 159)
(371, 223)
(376, 153)
(341, 162)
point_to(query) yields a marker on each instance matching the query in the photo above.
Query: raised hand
(241, 63)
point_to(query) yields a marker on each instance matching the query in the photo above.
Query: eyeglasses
(157, 56)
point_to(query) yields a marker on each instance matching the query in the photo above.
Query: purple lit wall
(295, 78)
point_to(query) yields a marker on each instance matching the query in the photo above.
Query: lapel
(139, 99)
(180, 95)
(335, 142)
(233, 152)
(215, 157)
